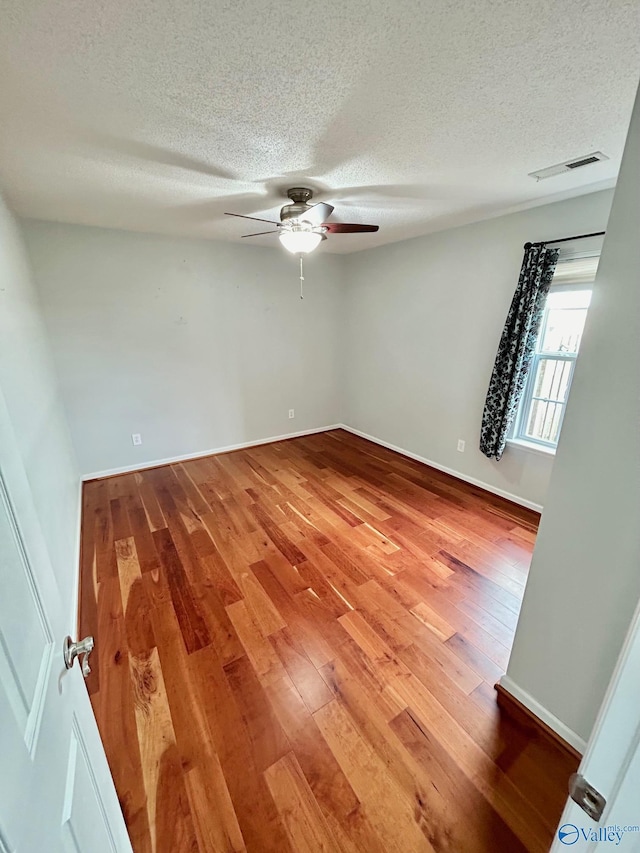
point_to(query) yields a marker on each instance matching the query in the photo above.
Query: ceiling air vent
(568, 165)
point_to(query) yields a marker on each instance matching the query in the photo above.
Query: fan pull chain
(301, 278)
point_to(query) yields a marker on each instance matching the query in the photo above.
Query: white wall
(585, 577)
(423, 320)
(194, 344)
(29, 387)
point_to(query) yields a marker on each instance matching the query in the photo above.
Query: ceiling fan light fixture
(303, 225)
(299, 238)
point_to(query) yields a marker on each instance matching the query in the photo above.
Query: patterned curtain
(516, 348)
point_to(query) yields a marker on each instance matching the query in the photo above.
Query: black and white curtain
(516, 348)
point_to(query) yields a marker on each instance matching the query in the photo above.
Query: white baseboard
(141, 466)
(542, 714)
(502, 493)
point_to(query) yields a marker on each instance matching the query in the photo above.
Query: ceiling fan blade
(348, 228)
(256, 218)
(317, 213)
(260, 233)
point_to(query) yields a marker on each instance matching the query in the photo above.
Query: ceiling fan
(302, 225)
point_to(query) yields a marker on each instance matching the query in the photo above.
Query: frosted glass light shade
(299, 240)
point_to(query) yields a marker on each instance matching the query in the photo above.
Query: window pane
(544, 421)
(563, 330)
(551, 381)
(568, 298)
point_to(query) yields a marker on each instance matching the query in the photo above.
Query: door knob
(73, 650)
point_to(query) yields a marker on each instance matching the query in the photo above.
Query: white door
(56, 791)
(611, 764)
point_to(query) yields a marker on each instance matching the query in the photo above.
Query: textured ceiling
(158, 115)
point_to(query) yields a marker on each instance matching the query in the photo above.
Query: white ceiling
(159, 115)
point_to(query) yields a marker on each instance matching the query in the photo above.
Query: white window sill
(530, 446)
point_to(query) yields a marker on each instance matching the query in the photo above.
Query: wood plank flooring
(296, 646)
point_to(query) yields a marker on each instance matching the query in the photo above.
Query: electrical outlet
(292, 413)
(460, 445)
(136, 438)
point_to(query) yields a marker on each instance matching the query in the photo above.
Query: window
(546, 392)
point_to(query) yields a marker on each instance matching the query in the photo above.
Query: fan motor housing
(293, 211)
(300, 196)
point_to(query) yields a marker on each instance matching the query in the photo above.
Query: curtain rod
(565, 239)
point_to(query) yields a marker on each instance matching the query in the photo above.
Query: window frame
(524, 408)
(518, 433)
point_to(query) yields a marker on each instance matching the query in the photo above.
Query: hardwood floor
(296, 647)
